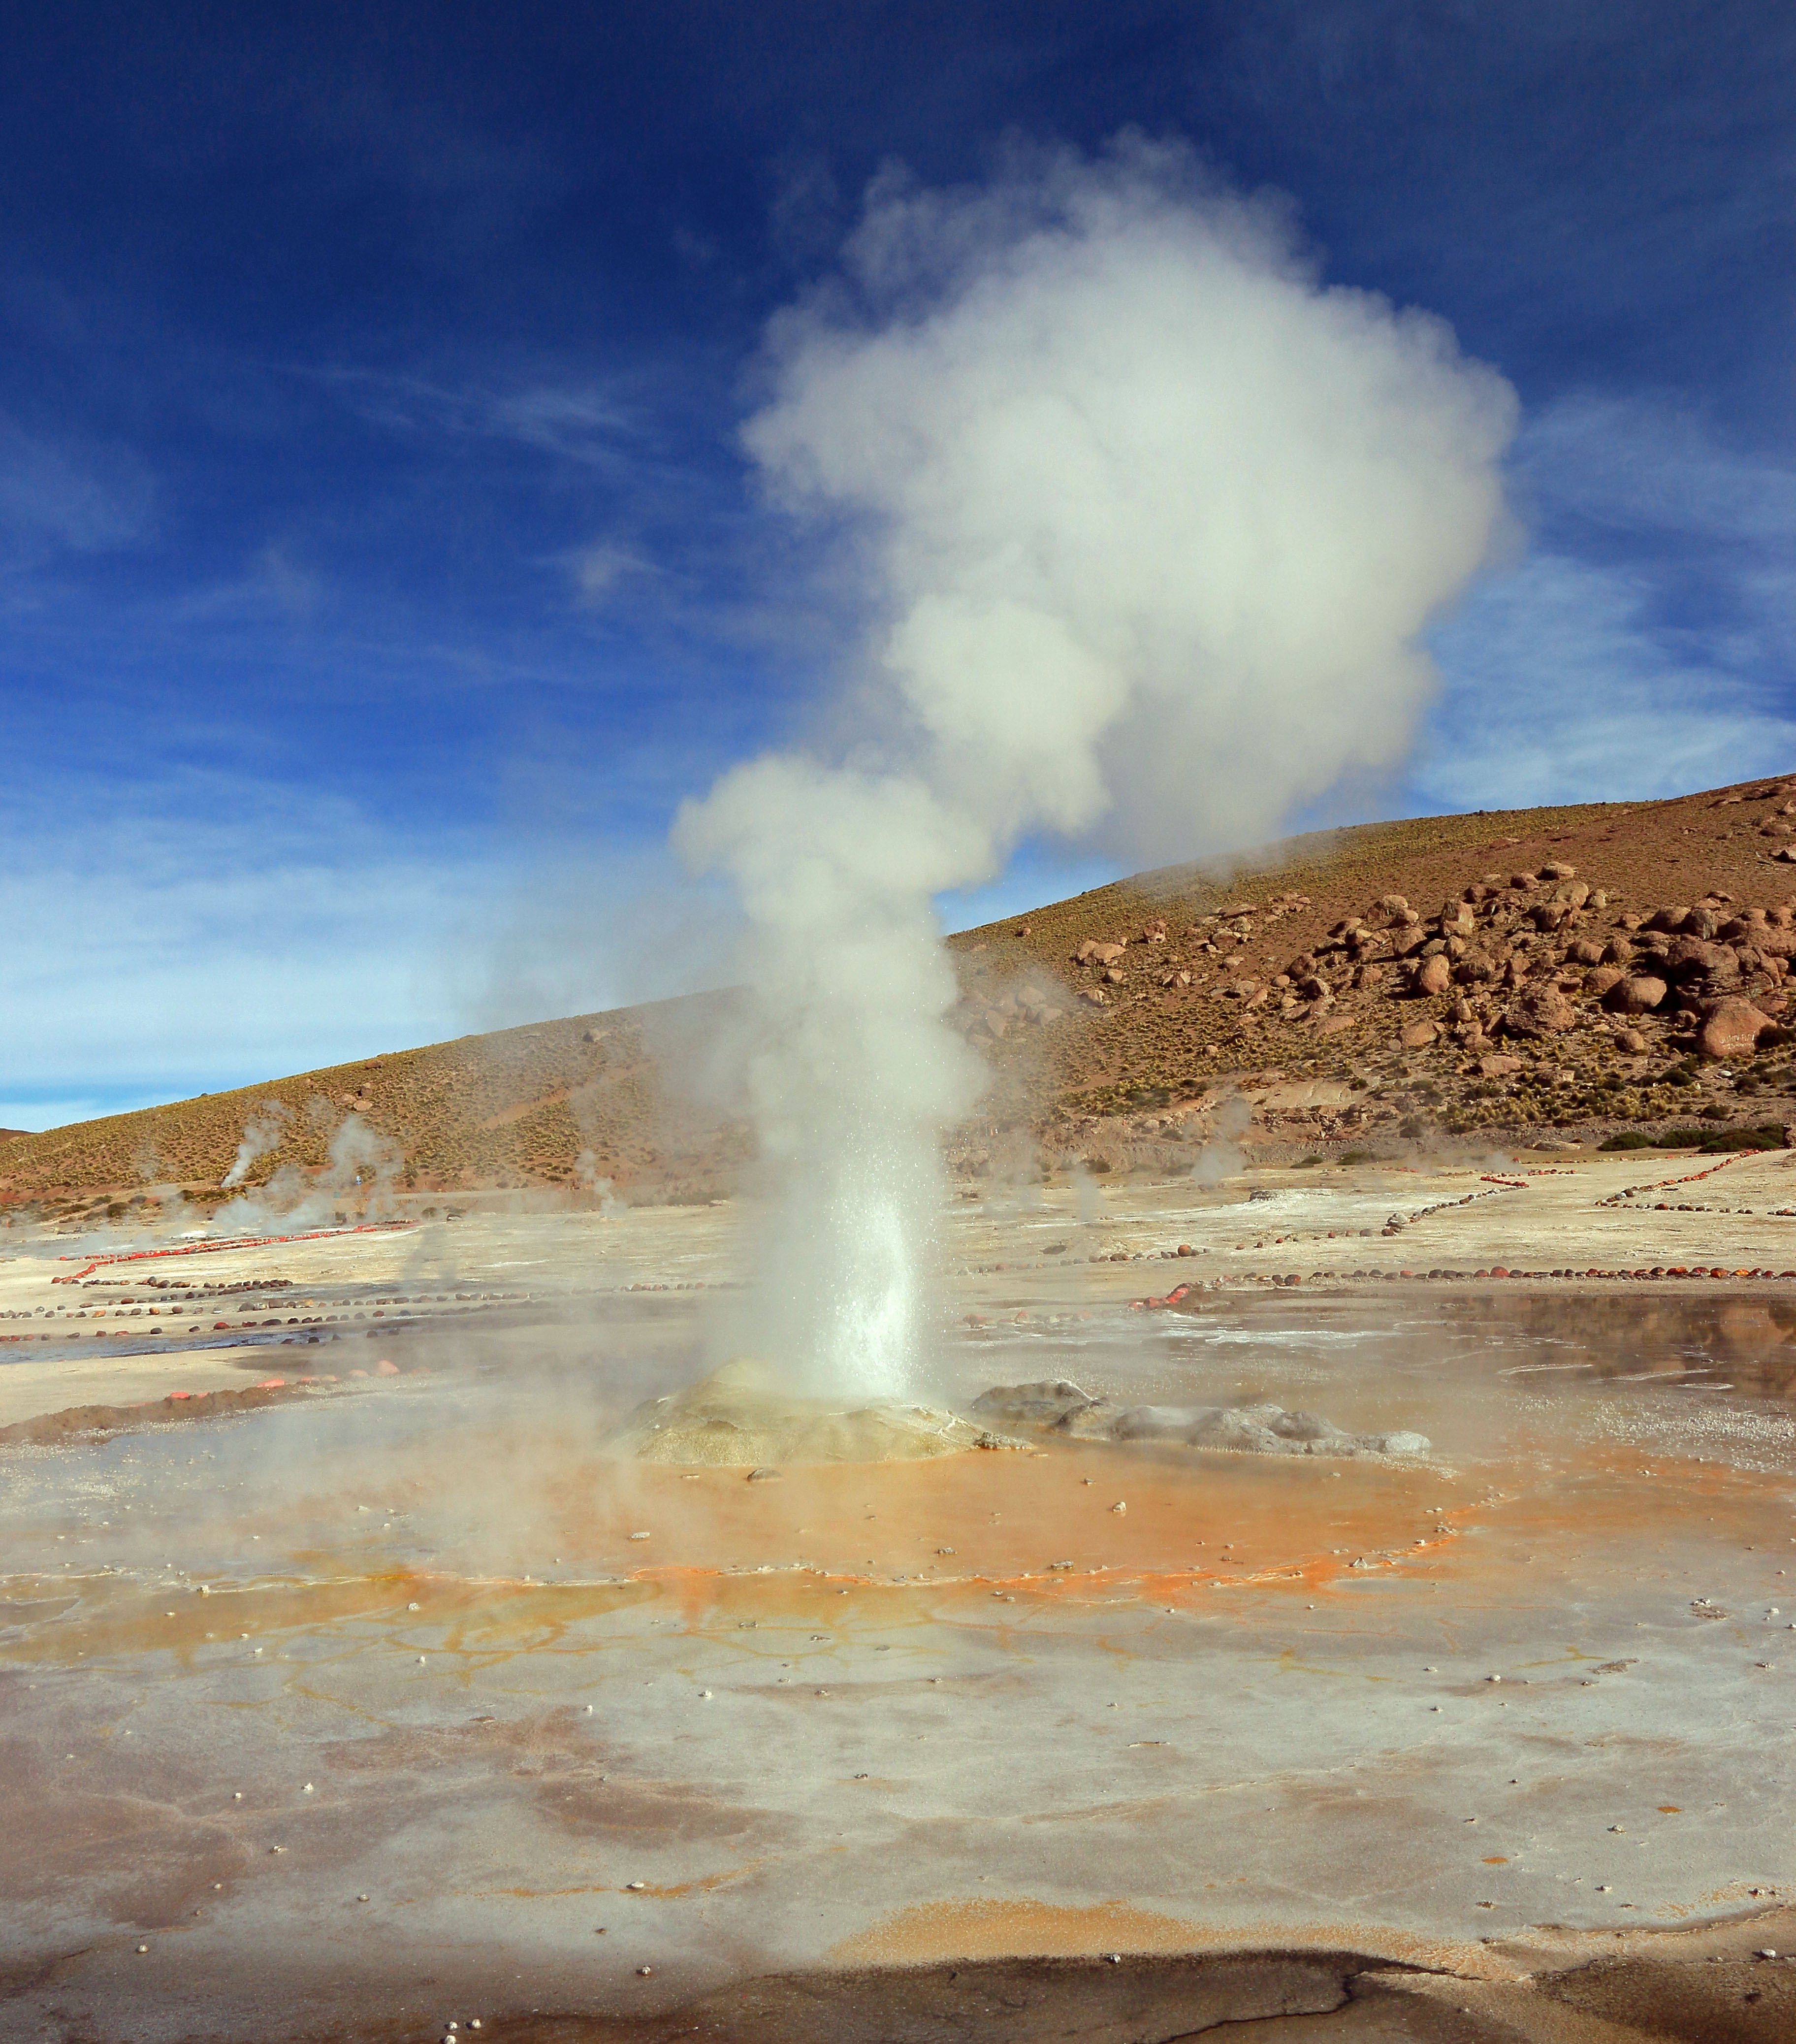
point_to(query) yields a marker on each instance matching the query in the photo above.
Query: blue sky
(379, 565)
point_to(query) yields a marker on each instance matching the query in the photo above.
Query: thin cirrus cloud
(580, 422)
(1641, 648)
(59, 497)
(233, 931)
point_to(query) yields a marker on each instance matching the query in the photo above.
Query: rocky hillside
(1576, 974)
(1564, 973)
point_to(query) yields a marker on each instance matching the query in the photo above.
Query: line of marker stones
(1502, 1271)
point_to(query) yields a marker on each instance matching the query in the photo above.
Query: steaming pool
(399, 1700)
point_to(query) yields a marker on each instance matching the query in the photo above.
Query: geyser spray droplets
(1152, 524)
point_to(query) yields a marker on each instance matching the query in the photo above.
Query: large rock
(1731, 1028)
(1543, 1011)
(1433, 975)
(1638, 994)
(1600, 979)
(1694, 957)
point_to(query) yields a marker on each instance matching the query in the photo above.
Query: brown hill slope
(1456, 974)
(1470, 967)
(514, 1107)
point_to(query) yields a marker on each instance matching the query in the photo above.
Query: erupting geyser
(1151, 523)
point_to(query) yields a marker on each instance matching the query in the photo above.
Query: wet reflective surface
(403, 1639)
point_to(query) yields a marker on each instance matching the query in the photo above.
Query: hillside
(1517, 974)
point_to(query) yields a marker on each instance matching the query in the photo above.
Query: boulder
(1498, 1065)
(1637, 994)
(1585, 950)
(1702, 922)
(1419, 1036)
(1731, 1028)
(1556, 869)
(1667, 919)
(1433, 975)
(1692, 958)
(1602, 978)
(1542, 1011)
(1630, 1040)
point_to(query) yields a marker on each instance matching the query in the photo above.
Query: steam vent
(740, 1417)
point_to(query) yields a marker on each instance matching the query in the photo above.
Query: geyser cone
(741, 1417)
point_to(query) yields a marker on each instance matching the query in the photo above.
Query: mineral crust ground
(385, 1698)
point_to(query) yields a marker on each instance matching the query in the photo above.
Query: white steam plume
(1152, 524)
(265, 1130)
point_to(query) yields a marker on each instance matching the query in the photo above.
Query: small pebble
(143, 1948)
(643, 1971)
(1119, 1508)
(412, 1606)
(306, 1790)
(361, 1898)
(635, 1884)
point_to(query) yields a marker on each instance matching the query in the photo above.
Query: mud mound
(1061, 1408)
(741, 1417)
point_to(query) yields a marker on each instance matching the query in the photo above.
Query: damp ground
(399, 1700)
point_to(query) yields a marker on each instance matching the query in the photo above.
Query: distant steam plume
(265, 1130)
(1151, 523)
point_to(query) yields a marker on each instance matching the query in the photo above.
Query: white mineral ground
(560, 1714)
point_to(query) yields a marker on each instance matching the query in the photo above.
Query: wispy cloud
(579, 422)
(1643, 645)
(58, 497)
